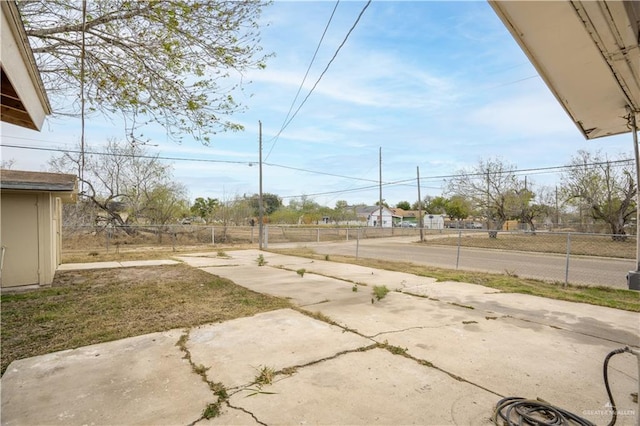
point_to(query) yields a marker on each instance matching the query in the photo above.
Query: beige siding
(30, 234)
(19, 223)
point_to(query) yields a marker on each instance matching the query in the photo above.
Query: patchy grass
(94, 306)
(602, 296)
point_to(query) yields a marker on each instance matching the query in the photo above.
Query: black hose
(520, 411)
(605, 372)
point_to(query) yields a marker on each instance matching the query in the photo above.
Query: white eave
(24, 100)
(588, 54)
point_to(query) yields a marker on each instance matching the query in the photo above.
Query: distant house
(406, 217)
(31, 225)
(372, 216)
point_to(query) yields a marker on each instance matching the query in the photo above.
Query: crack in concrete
(395, 350)
(417, 327)
(566, 329)
(212, 409)
(244, 410)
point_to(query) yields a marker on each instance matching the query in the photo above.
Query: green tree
(404, 205)
(170, 62)
(342, 211)
(204, 208)
(270, 203)
(436, 205)
(607, 187)
(458, 208)
(167, 202)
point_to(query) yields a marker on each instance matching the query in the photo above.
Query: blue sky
(435, 85)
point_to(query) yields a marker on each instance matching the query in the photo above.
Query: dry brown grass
(87, 307)
(543, 242)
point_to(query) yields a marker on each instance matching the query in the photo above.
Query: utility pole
(260, 204)
(420, 223)
(380, 202)
(633, 277)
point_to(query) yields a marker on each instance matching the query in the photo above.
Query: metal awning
(588, 54)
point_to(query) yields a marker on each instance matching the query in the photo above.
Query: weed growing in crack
(326, 257)
(222, 253)
(200, 369)
(380, 291)
(265, 376)
(396, 350)
(301, 272)
(354, 288)
(260, 260)
(212, 410)
(219, 390)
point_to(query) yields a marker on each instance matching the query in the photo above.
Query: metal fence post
(459, 244)
(357, 242)
(318, 239)
(213, 235)
(347, 233)
(266, 236)
(566, 272)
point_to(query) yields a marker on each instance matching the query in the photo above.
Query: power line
(407, 182)
(317, 172)
(275, 139)
(75, 151)
(325, 69)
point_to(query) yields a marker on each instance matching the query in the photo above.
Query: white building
(372, 215)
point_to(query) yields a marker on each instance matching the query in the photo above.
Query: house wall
(30, 237)
(387, 218)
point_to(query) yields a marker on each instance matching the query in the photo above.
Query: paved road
(582, 270)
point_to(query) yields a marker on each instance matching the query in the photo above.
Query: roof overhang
(62, 185)
(24, 101)
(588, 54)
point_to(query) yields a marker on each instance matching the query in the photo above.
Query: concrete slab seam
(395, 350)
(284, 268)
(567, 330)
(212, 409)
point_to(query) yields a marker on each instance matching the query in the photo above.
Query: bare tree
(607, 187)
(493, 188)
(122, 180)
(165, 61)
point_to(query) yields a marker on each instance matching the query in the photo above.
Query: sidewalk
(428, 353)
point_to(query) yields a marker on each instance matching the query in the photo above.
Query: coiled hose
(521, 411)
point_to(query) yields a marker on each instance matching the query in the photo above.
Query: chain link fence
(114, 238)
(565, 257)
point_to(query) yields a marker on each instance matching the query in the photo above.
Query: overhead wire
(344, 41)
(304, 79)
(408, 181)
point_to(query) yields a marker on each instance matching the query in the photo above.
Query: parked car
(408, 225)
